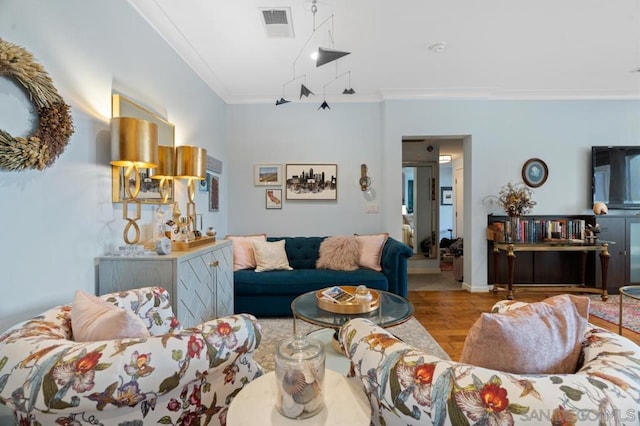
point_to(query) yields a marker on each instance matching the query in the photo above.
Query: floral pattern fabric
(408, 387)
(176, 377)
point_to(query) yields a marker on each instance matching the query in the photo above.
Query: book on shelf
(531, 229)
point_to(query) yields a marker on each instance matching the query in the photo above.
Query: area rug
(274, 330)
(610, 311)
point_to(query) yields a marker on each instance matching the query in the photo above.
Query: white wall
(502, 135)
(57, 221)
(347, 135)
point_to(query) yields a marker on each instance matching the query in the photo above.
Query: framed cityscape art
(311, 182)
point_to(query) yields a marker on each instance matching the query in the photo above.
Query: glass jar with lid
(300, 364)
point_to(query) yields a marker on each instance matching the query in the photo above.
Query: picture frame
(312, 182)
(535, 172)
(446, 196)
(267, 174)
(204, 183)
(273, 198)
(214, 194)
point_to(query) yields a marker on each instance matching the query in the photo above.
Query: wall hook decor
(55, 124)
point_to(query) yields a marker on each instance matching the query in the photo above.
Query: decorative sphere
(600, 208)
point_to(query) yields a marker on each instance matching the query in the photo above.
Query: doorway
(431, 167)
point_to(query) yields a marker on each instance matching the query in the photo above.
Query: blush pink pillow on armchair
(538, 338)
(93, 319)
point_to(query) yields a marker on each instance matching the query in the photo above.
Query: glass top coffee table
(632, 291)
(393, 310)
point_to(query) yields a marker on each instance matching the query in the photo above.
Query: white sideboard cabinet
(199, 280)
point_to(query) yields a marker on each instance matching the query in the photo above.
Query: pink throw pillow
(93, 319)
(339, 253)
(539, 338)
(243, 254)
(371, 250)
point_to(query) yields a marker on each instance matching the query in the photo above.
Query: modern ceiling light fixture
(322, 56)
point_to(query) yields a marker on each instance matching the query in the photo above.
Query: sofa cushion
(299, 281)
(341, 253)
(93, 319)
(371, 250)
(302, 252)
(552, 329)
(243, 254)
(270, 256)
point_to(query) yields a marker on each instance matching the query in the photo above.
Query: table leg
(620, 317)
(511, 257)
(604, 266)
(496, 256)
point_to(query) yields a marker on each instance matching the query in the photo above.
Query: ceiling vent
(277, 22)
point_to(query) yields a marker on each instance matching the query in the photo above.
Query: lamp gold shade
(134, 142)
(191, 162)
(166, 163)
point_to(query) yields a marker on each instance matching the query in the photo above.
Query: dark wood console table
(511, 248)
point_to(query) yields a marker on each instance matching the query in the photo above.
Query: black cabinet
(624, 264)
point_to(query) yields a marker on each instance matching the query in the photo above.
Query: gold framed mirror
(150, 193)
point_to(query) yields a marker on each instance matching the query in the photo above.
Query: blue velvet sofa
(271, 293)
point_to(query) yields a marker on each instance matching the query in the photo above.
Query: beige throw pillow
(243, 254)
(340, 253)
(539, 338)
(93, 319)
(270, 256)
(371, 250)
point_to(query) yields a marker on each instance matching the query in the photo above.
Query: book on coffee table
(338, 295)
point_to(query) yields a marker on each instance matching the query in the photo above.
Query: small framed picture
(267, 174)
(273, 198)
(214, 194)
(446, 196)
(535, 172)
(204, 183)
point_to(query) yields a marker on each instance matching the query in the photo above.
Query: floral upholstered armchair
(406, 386)
(176, 376)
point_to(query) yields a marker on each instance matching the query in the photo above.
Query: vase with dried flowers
(516, 200)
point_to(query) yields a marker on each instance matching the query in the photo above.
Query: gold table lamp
(165, 171)
(191, 164)
(134, 145)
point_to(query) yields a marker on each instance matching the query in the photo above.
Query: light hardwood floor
(447, 315)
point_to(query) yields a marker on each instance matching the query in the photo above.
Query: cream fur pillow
(371, 250)
(538, 338)
(339, 253)
(93, 319)
(271, 256)
(243, 254)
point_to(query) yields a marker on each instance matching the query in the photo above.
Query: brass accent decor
(121, 106)
(165, 171)
(55, 124)
(134, 144)
(349, 307)
(191, 164)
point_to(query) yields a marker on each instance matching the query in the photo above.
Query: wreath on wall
(55, 125)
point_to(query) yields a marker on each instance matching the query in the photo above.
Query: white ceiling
(495, 49)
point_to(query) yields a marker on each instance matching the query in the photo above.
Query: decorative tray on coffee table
(350, 307)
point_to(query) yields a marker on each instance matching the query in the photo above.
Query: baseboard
(476, 289)
(424, 270)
